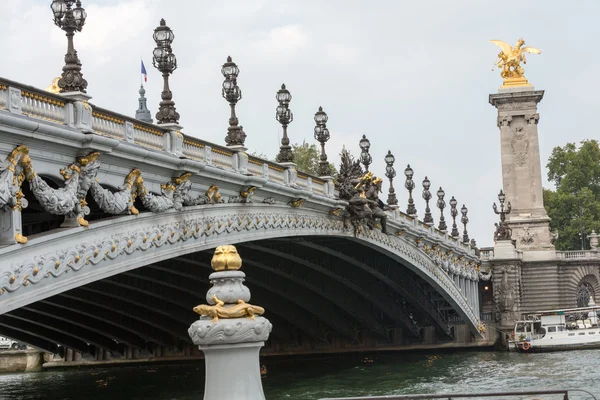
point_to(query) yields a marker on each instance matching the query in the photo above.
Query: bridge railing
(40, 104)
(578, 255)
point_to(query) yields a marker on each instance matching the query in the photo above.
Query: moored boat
(557, 330)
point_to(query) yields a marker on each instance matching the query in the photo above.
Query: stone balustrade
(578, 255)
(53, 108)
(47, 106)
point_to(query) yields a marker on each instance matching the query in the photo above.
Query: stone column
(521, 168)
(506, 279)
(230, 332)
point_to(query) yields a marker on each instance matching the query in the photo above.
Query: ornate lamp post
(503, 232)
(322, 136)
(464, 219)
(441, 205)
(165, 61)
(453, 213)
(428, 220)
(232, 93)
(365, 157)
(410, 185)
(390, 173)
(284, 116)
(70, 20)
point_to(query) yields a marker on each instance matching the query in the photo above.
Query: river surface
(318, 378)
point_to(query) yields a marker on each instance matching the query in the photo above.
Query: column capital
(511, 100)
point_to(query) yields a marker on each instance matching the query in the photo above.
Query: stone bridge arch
(288, 253)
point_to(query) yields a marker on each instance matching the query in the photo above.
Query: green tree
(306, 158)
(575, 205)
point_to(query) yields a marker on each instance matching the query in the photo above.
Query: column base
(233, 371)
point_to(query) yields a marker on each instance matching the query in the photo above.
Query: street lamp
(165, 61)
(232, 93)
(441, 205)
(464, 219)
(453, 213)
(409, 184)
(390, 173)
(503, 231)
(322, 136)
(428, 220)
(70, 20)
(284, 116)
(365, 157)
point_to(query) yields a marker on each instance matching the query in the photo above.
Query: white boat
(556, 330)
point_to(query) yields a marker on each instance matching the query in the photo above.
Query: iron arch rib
(406, 287)
(280, 306)
(369, 295)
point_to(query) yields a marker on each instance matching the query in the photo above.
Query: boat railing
(452, 396)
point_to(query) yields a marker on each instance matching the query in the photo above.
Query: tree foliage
(306, 158)
(575, 205)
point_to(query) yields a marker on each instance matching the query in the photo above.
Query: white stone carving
(228, 331)
(520, 145)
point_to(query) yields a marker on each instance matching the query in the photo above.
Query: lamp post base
(233, 371)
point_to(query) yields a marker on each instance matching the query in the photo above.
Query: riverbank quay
(22, 360)
(266, 357)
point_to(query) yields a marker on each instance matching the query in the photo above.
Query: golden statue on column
(509, 61)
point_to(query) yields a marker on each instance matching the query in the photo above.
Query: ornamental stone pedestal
(506, 272)
(521, 169)
(230, 332)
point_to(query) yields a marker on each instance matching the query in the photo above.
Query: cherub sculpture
(510, 59)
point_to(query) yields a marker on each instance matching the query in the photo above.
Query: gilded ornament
(129, 243)
(12, 279)
(77, 258)
(510, 59)
(241, 309)
(183, 178)
(226, 258)
(296, 203)
(19, 238)
(53, 88)
(336, 212)
(36, 270)
(213, 194)
(56, 264)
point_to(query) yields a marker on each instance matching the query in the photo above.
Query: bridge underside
(319, 293)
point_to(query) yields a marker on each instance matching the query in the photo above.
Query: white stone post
(290, 174)
(240, 159)
(230, 332)
(80, 112)
(173, 139)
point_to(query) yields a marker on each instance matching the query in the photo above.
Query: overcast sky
(413, 76)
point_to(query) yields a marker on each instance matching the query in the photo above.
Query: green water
(317, 378)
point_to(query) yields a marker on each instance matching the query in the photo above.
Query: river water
(313, 379)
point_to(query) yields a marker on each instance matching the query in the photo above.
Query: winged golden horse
(510, 59)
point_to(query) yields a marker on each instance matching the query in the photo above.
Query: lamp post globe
(322, 136)
(284, 116)
(365, 157)
(232, 93)
(165, 61)
(70, 20)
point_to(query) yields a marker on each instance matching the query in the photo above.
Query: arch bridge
(108, 223)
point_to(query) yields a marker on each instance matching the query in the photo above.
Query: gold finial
(53, 88)
(226, 258)
(510, 59)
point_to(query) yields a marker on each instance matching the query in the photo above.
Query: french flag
(144, 74)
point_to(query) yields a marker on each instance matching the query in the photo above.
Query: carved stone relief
(519, 144)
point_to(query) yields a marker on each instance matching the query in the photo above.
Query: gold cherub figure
(510, 59)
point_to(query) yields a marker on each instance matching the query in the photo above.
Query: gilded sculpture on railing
(361, 191)
(510, 59)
